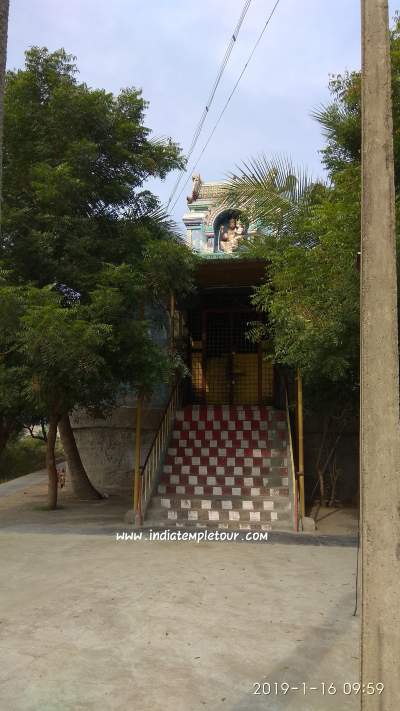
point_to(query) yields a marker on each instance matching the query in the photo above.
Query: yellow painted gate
(227, 367)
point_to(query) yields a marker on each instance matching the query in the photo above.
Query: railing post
(137, 490)
(145, 476)
(292, 464)
(300, 442)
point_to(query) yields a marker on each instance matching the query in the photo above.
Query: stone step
(208, 515)
(219, 526)
(221, 436)
(222, 457)
(243, 426)
(225, 438)
(278, 466)
(237, 412)
(230, 476)
(226, 467)
(226, 478)
(222, 503)
(235, 491)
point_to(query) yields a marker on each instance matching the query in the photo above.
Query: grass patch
(23, 456)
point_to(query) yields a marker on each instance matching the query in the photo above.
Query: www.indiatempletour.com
(196, 536)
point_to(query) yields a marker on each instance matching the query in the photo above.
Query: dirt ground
(343, 521)
(91, 623)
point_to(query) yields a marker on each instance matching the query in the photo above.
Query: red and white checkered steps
(226, 466)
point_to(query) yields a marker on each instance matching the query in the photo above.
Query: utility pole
(380, 432)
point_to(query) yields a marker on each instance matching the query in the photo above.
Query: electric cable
(210, 99)
(194, 166)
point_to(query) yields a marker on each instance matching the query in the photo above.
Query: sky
(172, 50)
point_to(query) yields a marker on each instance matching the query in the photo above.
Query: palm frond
(149, 211)
(268, 191)
(330, 118)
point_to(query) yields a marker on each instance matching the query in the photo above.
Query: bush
(23, 456)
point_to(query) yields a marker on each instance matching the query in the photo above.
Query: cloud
(172, 49)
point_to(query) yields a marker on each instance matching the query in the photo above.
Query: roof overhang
(230, 272)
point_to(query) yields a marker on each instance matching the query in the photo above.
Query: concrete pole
(380, 433)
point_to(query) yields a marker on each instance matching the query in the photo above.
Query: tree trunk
(81, 484)
(44, 433)
(321, 485)
(319, 467)
(51, 462)
(5, 432)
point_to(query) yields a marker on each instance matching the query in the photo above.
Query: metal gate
(227, 367)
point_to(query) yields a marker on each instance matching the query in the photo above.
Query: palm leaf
(269, 192)
(331, 118)
(149, 212)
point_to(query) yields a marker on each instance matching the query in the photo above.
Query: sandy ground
(91, 623)
(343, 521)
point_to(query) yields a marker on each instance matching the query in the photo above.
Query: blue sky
(172, 49)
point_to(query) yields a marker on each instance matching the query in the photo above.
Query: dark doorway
(227, 367)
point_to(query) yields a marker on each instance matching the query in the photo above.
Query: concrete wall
(107, 446)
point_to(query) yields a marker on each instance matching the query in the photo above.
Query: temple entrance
(227, 367)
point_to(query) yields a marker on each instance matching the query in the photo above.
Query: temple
(221, 448)
(227, 368)
(212, 228)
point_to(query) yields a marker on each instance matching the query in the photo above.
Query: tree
(77, 217)
(308, 234)
(310, 237)
(74, 165)
(62, 353)
(15, 406)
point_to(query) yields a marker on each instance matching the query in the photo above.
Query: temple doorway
(227, 367)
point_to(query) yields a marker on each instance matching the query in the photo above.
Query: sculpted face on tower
(230, 231)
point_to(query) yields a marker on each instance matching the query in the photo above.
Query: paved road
(88, 623)
(22, 482)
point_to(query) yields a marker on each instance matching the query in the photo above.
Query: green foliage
(52, 357)
(133, 356)
(341, 119)
(309, 234)
(341, 123)
(15, 405)
(83, 243)
(75, 162)
(24, 455)
(269, 193)
(63, 352)
(311, 297)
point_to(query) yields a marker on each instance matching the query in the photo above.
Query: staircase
(226, 467)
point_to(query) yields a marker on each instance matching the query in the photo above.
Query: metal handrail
(156, 452)
(295, 487)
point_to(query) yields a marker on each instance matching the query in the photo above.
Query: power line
(212, 93)
(194, 166)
